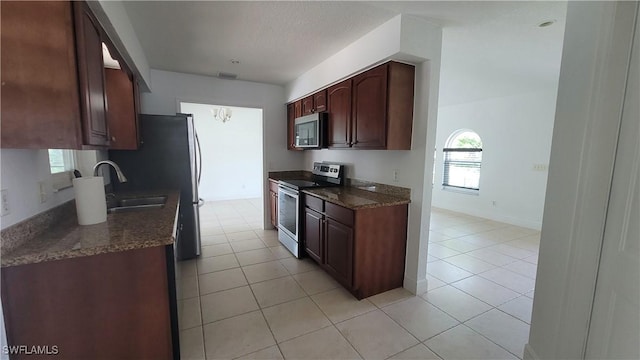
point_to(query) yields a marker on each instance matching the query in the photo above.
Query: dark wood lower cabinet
(339, 251)
(313, 233)
(273, 202)
(107, 306)
(363, 249)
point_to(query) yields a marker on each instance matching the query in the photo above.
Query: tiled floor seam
(264, 318)
(508, 288)
(347, 340)
(500, 346)
(475, 297)
(405, 329)
(460, 322)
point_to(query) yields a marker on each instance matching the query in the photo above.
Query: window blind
(462, 168)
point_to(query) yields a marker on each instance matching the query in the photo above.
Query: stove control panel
(328, 170)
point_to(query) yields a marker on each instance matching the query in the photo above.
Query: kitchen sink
(137, 204)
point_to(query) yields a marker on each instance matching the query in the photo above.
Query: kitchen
(274, 109)
(408, 168)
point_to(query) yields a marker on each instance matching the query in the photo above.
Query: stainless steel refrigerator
(169, 158)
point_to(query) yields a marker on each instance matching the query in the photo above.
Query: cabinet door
(39, 79)
(297, 107)
(291, 135)
(313, 231)
(339, 108)
(121, 117)
(273, 202)
(307, 105)
(320, 101)
(369, 122)
(339, 251)
(91, 76)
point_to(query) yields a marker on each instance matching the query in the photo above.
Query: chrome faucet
(121, 177)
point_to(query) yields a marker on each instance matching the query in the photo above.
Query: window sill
(461, 191)
(62, 180)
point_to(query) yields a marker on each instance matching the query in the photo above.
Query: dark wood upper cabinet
(368, 124)
(372, 110)
(383, 107)
(320, 101)
(400, 93)
(91, 74)
(297, 107)
(55, 91)
(314, 103)
(339, 109)
(122, 116)
(40, 107)
(291, 131)
(307, 105)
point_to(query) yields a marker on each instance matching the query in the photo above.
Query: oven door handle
(286, 191)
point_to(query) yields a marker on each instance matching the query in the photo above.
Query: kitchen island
(99, 291)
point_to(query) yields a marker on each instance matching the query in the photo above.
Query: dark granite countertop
(356, 194)
(121, 232)
(289, 175)
(354, 198)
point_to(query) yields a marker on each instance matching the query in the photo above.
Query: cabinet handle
(113, 138)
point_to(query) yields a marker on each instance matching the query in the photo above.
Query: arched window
(462, 160)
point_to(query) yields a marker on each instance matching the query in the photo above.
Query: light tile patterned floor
(248, 298)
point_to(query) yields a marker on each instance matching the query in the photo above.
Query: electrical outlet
(494, 203)
(5, 210)
(395, 175)
(42, 189)
(540, 167)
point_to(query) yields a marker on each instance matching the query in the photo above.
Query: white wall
(170, 88)
(402, 38)
(516, 134)
(20, 172)
(231, 152)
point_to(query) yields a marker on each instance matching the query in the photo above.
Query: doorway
(231, 141)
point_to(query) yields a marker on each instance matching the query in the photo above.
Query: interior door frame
(266, 220)
(596, 55)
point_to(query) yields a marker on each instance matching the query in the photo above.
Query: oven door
(288, 211)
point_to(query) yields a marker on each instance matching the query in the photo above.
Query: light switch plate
(5, 209)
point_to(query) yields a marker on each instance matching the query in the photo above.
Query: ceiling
(489, 49)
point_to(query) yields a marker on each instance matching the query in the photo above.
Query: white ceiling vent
(228, 76)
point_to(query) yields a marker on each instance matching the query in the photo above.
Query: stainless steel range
(324, 175)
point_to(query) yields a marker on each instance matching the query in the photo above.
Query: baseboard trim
(415, 286)
(529, 354)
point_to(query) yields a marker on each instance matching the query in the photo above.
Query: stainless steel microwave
(311, 131)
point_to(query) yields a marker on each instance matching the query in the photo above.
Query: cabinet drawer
(339, 213)
(273, 186)
(313, 203)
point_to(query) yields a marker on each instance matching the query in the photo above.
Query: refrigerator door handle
(193, 148)
(199, 158)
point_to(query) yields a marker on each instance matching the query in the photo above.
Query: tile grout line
(264, 318)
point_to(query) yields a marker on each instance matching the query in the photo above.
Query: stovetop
(300, 184)
(324, 175)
